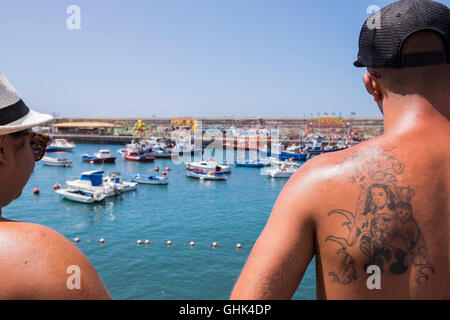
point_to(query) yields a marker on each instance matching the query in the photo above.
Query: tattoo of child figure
(383, 227)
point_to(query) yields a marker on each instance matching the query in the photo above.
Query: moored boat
(56, 162)
(150, 179)
(281, 172)
(81, 196)
(102, 156)
(134, 152)
(92, 181)
(209, 165)
(115, 180)
(60, 145)
(202, 174)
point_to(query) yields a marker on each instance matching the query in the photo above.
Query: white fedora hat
(14, 114)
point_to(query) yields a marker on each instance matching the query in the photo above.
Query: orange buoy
(157, 169)
(101, 240)
(147, 241)
(56, 186)
(169, 242)
(164, 173)
(167, 168)
(36, 190)
(192, 243)
(76, 240)
(214, 244)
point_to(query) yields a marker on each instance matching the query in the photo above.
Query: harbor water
(185, 210)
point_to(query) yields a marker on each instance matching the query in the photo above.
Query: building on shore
(86, 128)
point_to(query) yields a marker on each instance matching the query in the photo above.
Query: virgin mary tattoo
(382, 227)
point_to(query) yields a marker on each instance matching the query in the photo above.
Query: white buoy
(76, 239)
(169, 242)
(238, 245)
(192, 243)
(147, 241)
(139, 242)
(214, 244)
(101, 240)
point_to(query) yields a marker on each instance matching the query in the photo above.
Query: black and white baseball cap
(384, 32)
(14, 114)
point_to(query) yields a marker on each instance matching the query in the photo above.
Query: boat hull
(78, 196)
(99, 160)
(206, 175)
(139, 158)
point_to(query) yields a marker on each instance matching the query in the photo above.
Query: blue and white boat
(92, 182)
(150, 179)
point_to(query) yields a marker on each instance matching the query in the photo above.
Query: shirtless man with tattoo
(384, 202)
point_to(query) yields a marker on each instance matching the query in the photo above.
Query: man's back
(382, 203)
(386, 206)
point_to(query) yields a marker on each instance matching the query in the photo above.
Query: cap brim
(358, 64)
(32, 119)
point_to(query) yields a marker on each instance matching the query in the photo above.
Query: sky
(180, 58)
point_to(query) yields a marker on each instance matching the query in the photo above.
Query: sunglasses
(38, 143)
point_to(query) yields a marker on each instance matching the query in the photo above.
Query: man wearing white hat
(34, 259)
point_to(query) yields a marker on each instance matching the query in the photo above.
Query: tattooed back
(382, 231)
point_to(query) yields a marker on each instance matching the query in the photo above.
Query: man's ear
(373, 87)
(3, 157)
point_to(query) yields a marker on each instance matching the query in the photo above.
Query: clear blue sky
(187, 57)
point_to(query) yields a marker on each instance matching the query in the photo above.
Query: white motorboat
(55, 162)
(150, 179)
(281, 172)
(209, 165)
(202, 174)
(114, 179)
(61, 145)
(81, 196)
(92, 182)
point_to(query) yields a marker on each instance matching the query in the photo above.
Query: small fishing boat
(134, 152)
(150, 179)
(56, 162)
(253, 163)
(102, 156)
(81, 196)
(201, 174)
(209, 165)
(114, 179)
(281, 172)
(60, 145)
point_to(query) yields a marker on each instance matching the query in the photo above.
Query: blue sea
(185, 210)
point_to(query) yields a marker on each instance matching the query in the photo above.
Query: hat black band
(424, 59)
(13, 112)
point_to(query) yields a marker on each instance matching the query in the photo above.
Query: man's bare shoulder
(38, 261)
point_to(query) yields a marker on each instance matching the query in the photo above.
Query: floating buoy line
(147, 242)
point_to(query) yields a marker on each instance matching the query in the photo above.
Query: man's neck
(414, 112)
